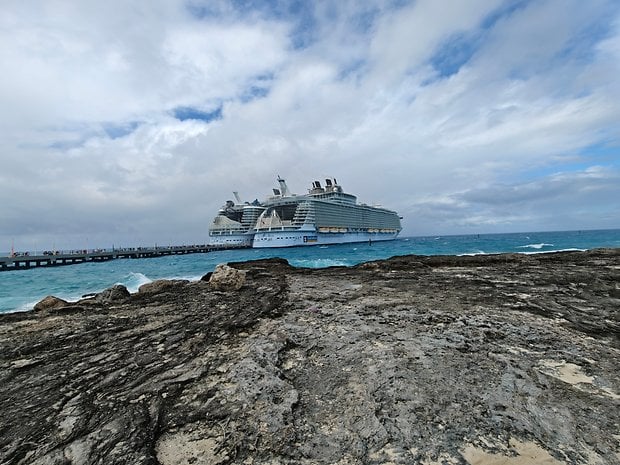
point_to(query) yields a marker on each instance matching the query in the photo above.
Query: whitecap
(471, 254)
(25, 307)
(554, 251)
(535, 246)
(134, 280)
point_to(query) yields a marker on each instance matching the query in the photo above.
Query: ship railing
(227, 232)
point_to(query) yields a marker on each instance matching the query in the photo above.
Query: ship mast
(283, 187)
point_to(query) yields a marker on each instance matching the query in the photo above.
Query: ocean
(20, 290)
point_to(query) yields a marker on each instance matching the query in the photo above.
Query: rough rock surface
(227, 278)
(117, 293)
(48, 303)
(162, 285)
(510, 359)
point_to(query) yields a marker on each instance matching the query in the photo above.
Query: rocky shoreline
(496, 359)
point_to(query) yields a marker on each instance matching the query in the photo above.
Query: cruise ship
(326, 215)
(234, 223)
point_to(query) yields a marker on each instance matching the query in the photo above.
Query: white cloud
(406, 38)
(89, 89)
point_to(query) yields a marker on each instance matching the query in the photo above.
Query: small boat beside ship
(325, 215)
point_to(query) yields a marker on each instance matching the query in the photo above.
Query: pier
(23, 261)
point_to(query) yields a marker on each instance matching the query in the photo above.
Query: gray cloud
(91, 151)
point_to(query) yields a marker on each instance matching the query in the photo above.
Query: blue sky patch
(582, 45)
(454, 53)
(503, 11)
(114, 131)
(600, 154)
(459, 48)
(253, 93)
(185, 113)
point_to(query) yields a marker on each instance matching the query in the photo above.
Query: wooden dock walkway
(24, 261)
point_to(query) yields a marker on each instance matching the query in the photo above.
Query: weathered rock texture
(227, 278)
(510, 359)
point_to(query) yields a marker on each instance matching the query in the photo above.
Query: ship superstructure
(234, 223)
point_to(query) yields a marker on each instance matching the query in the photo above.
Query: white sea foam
(25, 307)
(317, 263)
(134, 280)
(194, 277)
(479, 252)
(535, 246)
(186, 277)
(553, 251)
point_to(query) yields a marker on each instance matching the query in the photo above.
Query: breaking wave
(552, 251)
(133, 281)
(535, 246)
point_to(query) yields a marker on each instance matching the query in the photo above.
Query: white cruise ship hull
(283, 238)
(239, 240)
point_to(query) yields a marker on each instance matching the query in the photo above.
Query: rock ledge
(433, 360)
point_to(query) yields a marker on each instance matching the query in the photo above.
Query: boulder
(117, 293)
(50, 302)
(226, 278)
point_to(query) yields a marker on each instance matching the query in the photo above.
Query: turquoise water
(20, 290)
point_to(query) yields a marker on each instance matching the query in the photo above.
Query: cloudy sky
(131, 122)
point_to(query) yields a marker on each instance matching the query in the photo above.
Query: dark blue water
(20, 290)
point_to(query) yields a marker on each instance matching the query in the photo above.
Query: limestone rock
(49, 302)
(226, 278)
(453, 360)
(117, 293)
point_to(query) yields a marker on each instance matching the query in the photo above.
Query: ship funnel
(317, 184)
(276, 192)
(236, 194)
(328, 182)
